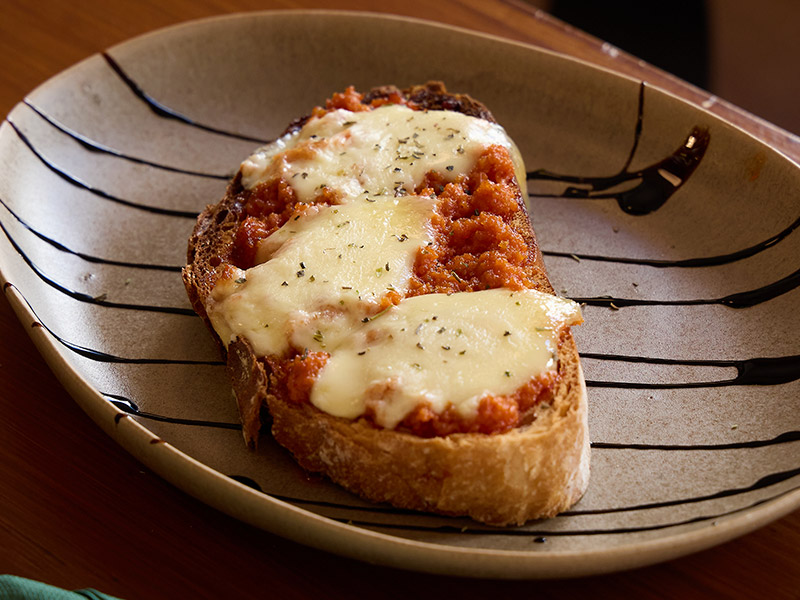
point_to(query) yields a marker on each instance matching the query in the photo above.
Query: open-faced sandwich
(375, 282)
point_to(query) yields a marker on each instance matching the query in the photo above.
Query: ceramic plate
(676, 230)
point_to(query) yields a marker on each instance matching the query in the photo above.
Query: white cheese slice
(443, 349)
(387, 150)
(321, 274)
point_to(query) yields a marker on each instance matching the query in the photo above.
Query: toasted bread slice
(519, 455)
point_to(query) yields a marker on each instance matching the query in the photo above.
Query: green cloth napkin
(19, 588)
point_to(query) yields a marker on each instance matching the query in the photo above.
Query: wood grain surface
(77, 511)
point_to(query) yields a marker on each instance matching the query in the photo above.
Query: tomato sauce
(353, 101)
(475, 247)
(496, 414)
(268, 207)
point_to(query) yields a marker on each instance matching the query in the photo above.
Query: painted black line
(525, 532)
(105, 357)
(709, 261)
(169, 113)
(100, 356)
(81, 297)
(637, 129)
(94, 146)
(647, 189)
(744, 299)
(129, 408)
(84, 256)
(763, 482)
(783, 438)
(754, 371)
(97, 192)
(647, 385)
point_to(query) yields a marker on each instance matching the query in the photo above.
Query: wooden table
(78, 511)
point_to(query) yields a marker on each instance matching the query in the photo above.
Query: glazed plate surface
(677, 231)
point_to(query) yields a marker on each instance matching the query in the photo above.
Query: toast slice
(375, 282)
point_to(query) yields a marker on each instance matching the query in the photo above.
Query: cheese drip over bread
(385, 151)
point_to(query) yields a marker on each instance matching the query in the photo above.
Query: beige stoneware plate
(677, 230)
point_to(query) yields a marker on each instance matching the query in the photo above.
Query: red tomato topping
(474, 248)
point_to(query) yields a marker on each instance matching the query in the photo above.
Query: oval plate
(676, 230)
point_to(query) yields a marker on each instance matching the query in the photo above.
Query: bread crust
(534, 471)
(527, 473)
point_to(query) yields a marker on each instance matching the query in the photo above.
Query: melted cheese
(322, 273)
(443, 349)
(383, 151)
(319, 277)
